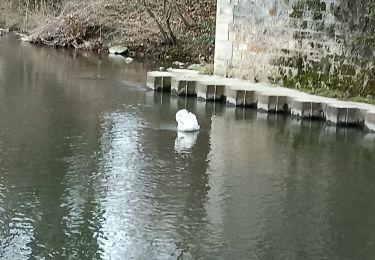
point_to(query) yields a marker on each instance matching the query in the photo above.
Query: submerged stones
(370, 120)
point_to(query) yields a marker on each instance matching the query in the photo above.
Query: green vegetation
(207, 69)
(344, 66)
(328, 86)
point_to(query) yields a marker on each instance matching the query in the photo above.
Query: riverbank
(182, 29)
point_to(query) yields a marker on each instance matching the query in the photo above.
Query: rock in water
(118, 50)
(25, 38)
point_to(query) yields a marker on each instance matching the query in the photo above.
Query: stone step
(275, 103)
(343, 114)
(264, 97)
(239, 97)
(302, 107)
(159, 81)
(370, 120)
(184, 85)
(211, 90)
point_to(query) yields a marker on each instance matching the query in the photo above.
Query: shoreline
(183, 33)
(167, 62)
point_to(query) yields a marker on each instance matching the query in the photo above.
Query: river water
(91, 167)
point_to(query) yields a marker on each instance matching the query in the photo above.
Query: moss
(349, 74)
(297, 14)
(345, 88)
(315, 6)
(207, 69)
(348, 70)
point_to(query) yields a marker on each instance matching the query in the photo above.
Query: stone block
(370, 120)
(355, 117)
(220, 92)
(205, 91)
(224, 2)
(184, 86)
(177, 86)
(232, 36)
(272, 103)
(223, 50)
(341, 114)
(220, 68)
(236, 97)
(242, 47)
(159, 81)
(301, 108)
(267, 103)
(336, 115)
(250, 98)
(225, 14)
(241, 97)
(316, 110)
(210, 91)
(222, 31)
(306, 109)
(369, 140)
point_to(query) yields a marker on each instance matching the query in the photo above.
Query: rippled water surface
(91, 167)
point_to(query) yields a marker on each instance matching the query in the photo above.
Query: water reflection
(49, 179)
(283, 176)
(91, 168)
(122, 164)
(117, 60)
(185, 141)
(143, 214)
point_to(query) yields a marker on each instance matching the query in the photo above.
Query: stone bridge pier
(321, 44)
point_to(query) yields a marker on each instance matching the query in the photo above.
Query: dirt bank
(172, 29)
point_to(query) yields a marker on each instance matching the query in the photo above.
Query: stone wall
(312, 44)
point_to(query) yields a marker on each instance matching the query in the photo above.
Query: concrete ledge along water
(264, 97)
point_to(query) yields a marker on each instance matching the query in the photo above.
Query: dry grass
(21, 20)
(97, 24)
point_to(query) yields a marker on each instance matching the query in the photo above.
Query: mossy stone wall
(319, 45)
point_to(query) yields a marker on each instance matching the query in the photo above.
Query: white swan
(186, 121)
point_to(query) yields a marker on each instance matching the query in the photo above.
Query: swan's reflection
(185, 141)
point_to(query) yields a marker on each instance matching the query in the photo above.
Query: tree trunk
(172, 37)
(153, 16)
